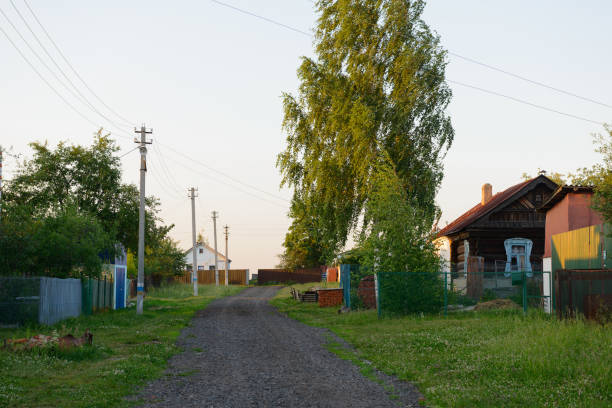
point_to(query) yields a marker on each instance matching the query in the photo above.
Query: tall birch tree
(375, 91)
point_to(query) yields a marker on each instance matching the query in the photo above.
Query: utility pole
(194, 265)
(215, 215)
(226, 257)
(0, 182)
(141, 214)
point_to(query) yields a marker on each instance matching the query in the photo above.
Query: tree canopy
(376, 91)
(66, 206)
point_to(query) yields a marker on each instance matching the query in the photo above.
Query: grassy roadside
(479, 359)
(127, 351)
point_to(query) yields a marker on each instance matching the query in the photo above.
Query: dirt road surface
(240, 352)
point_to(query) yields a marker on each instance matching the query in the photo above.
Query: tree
(376, 90)
(87, 179)
(163, 259)
(64, 244)
(600, 175)
(57, 193)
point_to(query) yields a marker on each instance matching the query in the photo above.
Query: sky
(208, 80)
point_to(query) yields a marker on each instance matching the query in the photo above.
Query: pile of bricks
(330, 297)
(367, 292)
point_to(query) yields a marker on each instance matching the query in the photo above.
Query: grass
(479, 359)
(128, 350)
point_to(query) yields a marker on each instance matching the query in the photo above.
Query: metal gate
(119, 287)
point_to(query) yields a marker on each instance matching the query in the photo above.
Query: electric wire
(222, 173)
(584, 98)
(128, 152)
(160, 182)
(458, 56)
(165, 168)
(164, 173)
(76, 73)
(41, 76)
(46, 81)
(525, 102)
(225, 183)
(76, 93)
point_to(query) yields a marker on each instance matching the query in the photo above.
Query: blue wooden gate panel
(120, 287)
(345, 284)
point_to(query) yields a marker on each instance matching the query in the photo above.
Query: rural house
(205, 257)
(503, 230)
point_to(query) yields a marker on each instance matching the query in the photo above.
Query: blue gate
(119, 287)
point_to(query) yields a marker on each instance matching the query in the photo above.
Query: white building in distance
(205, 258)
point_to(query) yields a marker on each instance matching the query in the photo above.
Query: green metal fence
(97, 295)
(400, 293)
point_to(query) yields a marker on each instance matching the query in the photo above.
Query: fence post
(524, 292)
(445, 293)
(104, 305)
(377, 294)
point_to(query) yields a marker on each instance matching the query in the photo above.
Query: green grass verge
(128, 350)
(479, 359)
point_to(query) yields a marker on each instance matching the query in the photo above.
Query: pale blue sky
(208, 80)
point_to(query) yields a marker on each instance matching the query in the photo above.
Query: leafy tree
(85, 178)
(163, 259)
(64, 244)
(69, 245)
(305, 245)
(600, 175)
(376, 89)
(63, 188)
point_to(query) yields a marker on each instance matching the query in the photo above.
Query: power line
(128, 152)
(529, 80)
(262, 18)
(59, 51)
(78, 95)
(223, 174)
(526, 102)
(458, 56)
(224, 183)
(45, 80)
(42, 78)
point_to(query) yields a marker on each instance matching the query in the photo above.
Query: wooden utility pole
(215, 215)
(226, 228)
(141, 215)
(194, 265)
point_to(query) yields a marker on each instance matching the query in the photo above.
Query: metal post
(377, 293)
(194, 265)
(226, 257)
(524, 292)
(214, 217)
(445, 293)
(141, 215)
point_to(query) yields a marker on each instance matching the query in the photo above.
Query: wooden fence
(207, 277)
(284, 276)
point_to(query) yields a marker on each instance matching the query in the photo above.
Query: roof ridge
(479, 209)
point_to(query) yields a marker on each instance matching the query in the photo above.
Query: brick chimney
(487, 193)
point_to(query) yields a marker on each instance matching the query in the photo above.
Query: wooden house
(483, 233)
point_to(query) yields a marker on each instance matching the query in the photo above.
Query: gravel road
(240, 352)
